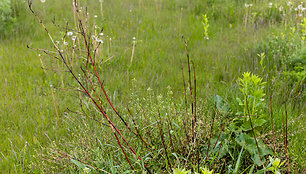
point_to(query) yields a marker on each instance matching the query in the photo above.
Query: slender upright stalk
(274, 149)
(247, 105)
(186, 106)
(286, 140)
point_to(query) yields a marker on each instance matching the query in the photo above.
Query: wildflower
(270, 5)
(93, 37)
(246, 5)
(250, 5)
(289, 3)
(95, 16)
(86, 170)
(134, 38)
(99, 40)
(69, 33)
(281, 8)
(300, 7)
(65, 43)
(42, 1)
(73, 38)
(101, 34)
(296, 9)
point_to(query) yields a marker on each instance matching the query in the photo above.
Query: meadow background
(39, 109)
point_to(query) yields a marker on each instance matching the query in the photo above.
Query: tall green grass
(32, 132)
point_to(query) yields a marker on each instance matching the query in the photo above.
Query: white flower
(134, 38)
(270, 5)
(86, 170)
(99, 40)
(289, 3)
(95, 16)
(73, 38)
(303, 9)
(101, 34)
(69, 33)
(250, 5)
(281, 8)
(65, 43)
(296, 9)
(39, 55)
(246, 5)
(42, 1)
(110, 38)
(300, 7)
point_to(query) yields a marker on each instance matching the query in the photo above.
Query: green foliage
(252, 103)
(303, 28)
(205, 170)
(7, 18)
(29, 118)
(82, 167)
(180, 171)
(276, 165)
(296, 67)
(205, 24)
(245, 140)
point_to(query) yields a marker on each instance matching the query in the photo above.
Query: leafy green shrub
(7, 18)
(296, 67)
(252, 103)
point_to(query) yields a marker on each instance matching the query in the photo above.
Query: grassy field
(48, 125)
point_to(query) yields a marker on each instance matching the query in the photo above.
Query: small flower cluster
(248, 5)
(70, 34)
(97, 39)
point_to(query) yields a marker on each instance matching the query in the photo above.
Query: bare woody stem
(247, 105)
(114, 128)
(286, 140)
(271, 110)
(186, 106)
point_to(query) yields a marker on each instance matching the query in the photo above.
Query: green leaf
(249, 143)
(238, 161)
(79, 164)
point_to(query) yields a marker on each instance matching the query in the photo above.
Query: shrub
(7, 18)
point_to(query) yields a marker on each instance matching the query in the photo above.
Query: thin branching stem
(114, 128)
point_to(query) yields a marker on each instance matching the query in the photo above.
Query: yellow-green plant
(206, 171)
(276, 164)
(205, 24)
(303, 29)
(262, 57)
(180, 171)
(252, 89)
